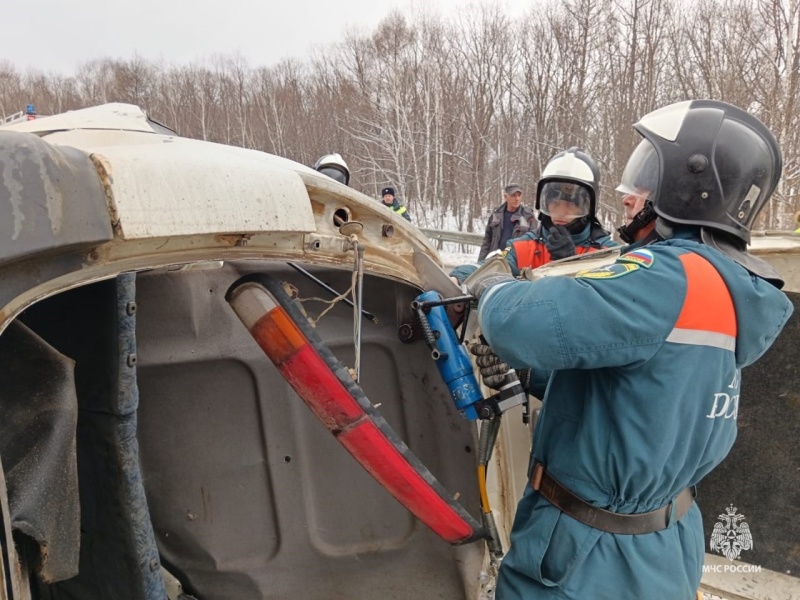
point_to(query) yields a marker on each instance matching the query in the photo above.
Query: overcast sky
(58, 35)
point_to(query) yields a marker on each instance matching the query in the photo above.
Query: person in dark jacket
(391, 202)
(646, 357)
(509, 220)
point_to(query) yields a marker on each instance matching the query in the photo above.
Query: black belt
(605, 520)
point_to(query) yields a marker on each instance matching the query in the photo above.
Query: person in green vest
(391, 202)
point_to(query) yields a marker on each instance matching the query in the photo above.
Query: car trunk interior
(194, 453)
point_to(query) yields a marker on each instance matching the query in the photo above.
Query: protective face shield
(717, 168)
(564, 202)
(335, 174)
(640, 179)
(568, 189)
(333, 166)
(642, 173)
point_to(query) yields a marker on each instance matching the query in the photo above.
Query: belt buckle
(538, 473)
(670, 512)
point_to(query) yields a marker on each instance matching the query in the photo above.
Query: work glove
(493, 370)
(479, 287)
(559, 243)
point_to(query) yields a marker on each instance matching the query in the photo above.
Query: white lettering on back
(735, 383)
(725, 406)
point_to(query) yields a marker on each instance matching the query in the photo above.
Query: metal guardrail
(476, 239)
(459, 237)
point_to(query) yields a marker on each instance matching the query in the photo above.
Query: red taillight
(306, 372)
(277, 335)
(333, 403)
(381, 458)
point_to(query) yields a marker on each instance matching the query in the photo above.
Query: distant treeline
(448, 110)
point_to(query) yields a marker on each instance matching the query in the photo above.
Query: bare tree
(450, 110)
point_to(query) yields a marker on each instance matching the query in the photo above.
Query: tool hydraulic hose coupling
(450, 356)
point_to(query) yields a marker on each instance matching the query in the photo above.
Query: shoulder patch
(618, 269)
(642, 257)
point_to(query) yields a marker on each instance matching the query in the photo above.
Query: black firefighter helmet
(710, 164)
(570, 176)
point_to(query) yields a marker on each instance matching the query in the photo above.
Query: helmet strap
(577, 226)
(644, 217)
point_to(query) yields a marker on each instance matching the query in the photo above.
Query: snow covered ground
(453, 259)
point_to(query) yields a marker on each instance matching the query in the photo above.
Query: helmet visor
(641, 175)
(334, 173)
(564, 201)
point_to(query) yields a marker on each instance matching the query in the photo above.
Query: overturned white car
(170, 311)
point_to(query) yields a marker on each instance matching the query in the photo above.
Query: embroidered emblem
(608, 272)
(644, 258)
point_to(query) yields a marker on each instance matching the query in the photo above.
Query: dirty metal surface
(50, 198)
(114, 115)
(251, 497)
(167, 185)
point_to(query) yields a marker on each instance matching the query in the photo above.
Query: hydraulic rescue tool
(457, 372)
(454, 364)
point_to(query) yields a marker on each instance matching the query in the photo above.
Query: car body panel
(196, 462)
(251, 496)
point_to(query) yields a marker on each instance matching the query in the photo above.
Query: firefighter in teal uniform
(646, 357)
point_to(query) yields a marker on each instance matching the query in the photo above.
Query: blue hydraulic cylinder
(451, 358)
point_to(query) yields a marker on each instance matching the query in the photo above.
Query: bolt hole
(468, 449)
(340, 217)
(287, 459)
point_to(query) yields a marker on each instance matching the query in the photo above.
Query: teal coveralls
(646, 357)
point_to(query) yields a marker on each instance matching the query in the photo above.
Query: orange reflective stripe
(707, 317)
(708, 304)
(533, 253)
(530, 253)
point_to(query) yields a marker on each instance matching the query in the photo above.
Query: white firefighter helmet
(333, 166)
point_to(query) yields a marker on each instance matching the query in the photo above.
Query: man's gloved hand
(559, 243)
(477, 288)
(493, 370)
